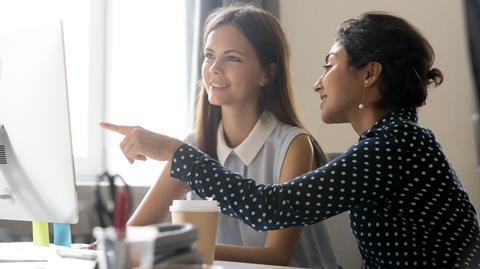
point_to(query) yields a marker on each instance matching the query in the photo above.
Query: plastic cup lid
(195, 206)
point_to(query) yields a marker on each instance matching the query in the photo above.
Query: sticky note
(40, 233)
(62, 235)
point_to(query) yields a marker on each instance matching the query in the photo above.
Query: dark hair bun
(435, 76)
(405, 55)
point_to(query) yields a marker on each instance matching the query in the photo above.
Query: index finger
(121, 129)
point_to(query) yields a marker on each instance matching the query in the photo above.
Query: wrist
(172, 148)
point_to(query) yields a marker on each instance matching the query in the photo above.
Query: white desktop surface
(241, 265)
(37, 257)
(48, 258)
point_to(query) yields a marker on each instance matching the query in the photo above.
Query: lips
(218, 85)
(323, 98)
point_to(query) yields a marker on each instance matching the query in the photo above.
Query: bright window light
(75, 17)
(143, 49)
(146, 77)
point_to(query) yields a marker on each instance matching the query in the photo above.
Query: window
(126, 63)
(75, 18)
(146, 76)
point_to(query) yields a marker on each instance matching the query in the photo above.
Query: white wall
(311, 25)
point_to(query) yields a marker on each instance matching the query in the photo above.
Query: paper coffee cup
(203, 214)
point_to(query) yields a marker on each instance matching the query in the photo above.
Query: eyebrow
(227, 51)
(328, 55)
(235, 51)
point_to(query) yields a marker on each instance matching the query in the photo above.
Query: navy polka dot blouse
(407, 206)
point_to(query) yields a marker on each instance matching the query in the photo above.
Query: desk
(25, 250)
(39, 257)
(241, 265)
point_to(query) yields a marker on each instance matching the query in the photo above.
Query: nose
(318, 86)
(216, 67)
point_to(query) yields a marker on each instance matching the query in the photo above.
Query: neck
(238, 123)
(365, 118)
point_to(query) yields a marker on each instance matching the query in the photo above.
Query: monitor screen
(37, 178)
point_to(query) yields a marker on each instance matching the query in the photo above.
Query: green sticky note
(40, 233)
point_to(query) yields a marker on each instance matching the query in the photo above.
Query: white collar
(249, 148)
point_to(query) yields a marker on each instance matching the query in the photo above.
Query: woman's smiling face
(340, 87)
(231, 70)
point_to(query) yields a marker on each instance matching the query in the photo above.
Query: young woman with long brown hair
(246, 120)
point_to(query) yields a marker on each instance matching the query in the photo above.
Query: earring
(361, 105)
(264, 81)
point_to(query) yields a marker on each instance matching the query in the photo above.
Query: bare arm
(280, 244)
(137, 145)
(154, 206)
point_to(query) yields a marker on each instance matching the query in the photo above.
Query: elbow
(279, 255)
(280, 259)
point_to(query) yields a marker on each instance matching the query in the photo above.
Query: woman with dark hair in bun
(407, 206)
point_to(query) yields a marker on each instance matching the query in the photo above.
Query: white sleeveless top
(260, 157)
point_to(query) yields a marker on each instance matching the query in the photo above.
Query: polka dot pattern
(407, 206)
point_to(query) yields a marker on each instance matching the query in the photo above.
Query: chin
(325, 115)
(325, 118)
(215, 101)
(330, 118)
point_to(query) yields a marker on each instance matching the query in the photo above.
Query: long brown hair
(265, 34)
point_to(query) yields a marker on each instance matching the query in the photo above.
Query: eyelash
(327, 67)
(233, 58)
(208, 55)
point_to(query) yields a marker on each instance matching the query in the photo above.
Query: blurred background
(134, 62)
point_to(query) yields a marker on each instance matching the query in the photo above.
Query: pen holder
(114, 252)
(135, 250)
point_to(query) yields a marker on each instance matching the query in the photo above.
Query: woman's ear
(372, 73)
(269, 74)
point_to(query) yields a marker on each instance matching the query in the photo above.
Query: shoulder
(300, 146)
(297, 153)
(395, 140)
(285, 139)
(190, 138)
(406, 134)
(284, 133)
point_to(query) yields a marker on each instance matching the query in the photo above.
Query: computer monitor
(37, 178)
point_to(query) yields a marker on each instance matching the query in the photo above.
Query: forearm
(265, 207)
(262, 255)
(154, 206)
(148, 212)
(307, 199)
